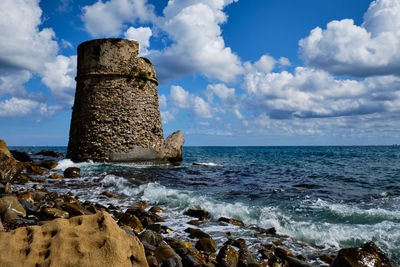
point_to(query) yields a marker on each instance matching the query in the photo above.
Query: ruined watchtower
(116, 102)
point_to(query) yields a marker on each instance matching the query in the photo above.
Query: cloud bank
(27, 50)
(370, 49)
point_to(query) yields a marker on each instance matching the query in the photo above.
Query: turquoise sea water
(327, 197)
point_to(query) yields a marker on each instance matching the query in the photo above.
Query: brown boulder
(206, 245)
(164, 252)
(48, 164)
(49, 153)
(197, 213)
(196, 233)
(91, 240)
(72, 172)
(227, 257)
(20, 156)
(368, 255)
(231, 221)
(13, 204)
(55, 213)
(130, 221)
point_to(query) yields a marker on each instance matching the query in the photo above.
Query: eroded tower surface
(115, 115)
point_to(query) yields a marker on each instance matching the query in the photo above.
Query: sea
(319, 199)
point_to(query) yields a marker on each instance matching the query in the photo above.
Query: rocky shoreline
(41, 227)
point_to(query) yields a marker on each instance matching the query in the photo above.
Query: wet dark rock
(198, 255)
(296, 262)
(49, 153)
(21, 156)
(196, 233)
(72, 172)
(207, 245)
(228, 257)
(112, 207)
(52, 195)
(139, 204)
(181, 250)
(197, 213)
(194, 222)
(327, 259)
(154, 227)
(56, 176)
(55, 213)
(108, 194)
(156, 209)
(75, 209)
(164, 252)
(190, 261)
(172, 262)
(146, 218)
(368, 255)
(38, 196)
(131, 221)
(48, 164)
(267, 254)
(37, 187)
(98, 206)
(246, 258)
(152, 218)
(282, 253)
(231, 221)
(35, 169)
(239, 243)
(268, 231)
(152, 261)
(151, 238)
(28, 206)
(180, 247)
(149, 249)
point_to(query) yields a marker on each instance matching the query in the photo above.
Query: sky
(231, 72)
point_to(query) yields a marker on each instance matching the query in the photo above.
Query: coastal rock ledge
(89, 240)
(116, 114)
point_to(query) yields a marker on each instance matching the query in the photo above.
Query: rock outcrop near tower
(115, 115)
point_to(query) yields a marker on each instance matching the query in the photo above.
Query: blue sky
(232, 72)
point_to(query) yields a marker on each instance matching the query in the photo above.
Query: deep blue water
(329, 197)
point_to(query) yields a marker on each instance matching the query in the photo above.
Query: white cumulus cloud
(15, 107)
(182, 99)
(142, 35)
(59, 76)
(311, 93)
(105, 19)
(198, 45)
(23, 46)
(220, 90)
(27, 50)
(344, 48)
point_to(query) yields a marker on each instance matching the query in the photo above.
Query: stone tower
(116, 105)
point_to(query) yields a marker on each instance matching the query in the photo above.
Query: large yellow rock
(89, 240)
(3, 148)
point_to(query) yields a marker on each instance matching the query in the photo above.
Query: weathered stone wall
(116, 101)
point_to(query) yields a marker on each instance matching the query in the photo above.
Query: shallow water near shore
(325, 197)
